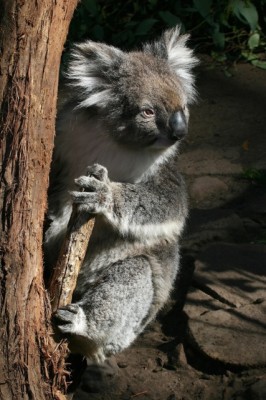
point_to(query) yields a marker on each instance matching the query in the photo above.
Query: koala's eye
(148, 112)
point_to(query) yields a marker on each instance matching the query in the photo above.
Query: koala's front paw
(70, 320)
(95, 196)
(98, 171)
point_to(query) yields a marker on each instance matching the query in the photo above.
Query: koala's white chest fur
(84, 142)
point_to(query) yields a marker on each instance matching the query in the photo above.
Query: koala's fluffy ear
(89, 72)
(172, 47)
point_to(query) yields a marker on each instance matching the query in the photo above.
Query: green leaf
(145, 26)
(259, 63)
(246, 12)
(258, 175)
(254, 41)
(220, 57)
(248, 55)
(130, 24)
(91, 6)
(227, 73)
(82, 30)
(188, 9)
(203, 7)
(169, 18)
(224, 20)
(98, 32)
(218, 39)
(153, 2)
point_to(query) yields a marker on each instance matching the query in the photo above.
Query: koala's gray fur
(124, 116)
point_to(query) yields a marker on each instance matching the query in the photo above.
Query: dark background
(229, 29)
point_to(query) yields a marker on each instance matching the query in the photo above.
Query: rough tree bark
(32, 34)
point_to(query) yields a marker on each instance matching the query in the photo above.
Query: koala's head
(142, 96)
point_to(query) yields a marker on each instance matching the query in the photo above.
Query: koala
(119, 128)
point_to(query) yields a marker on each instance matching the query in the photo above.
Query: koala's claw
(95, 196)
(98, 172)
(89, 183)
(73, 308)
(65, 314)
(70, 319)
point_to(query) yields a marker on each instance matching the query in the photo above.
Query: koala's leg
(112, 311)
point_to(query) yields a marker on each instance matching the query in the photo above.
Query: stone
(213, 219)
(122, 364)
(233, 336)
(257, 391)
(208, 160)
(234, 274)
(177, 358)
(198, 303)
(206, 226)
(227, 305)
(207, 188)
(172, 397)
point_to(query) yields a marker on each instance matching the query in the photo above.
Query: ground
(209, 343)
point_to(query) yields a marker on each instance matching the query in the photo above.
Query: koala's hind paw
(70, 320)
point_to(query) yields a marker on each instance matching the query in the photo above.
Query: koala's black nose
(178, 125)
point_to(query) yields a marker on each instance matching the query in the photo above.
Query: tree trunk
(32, 34)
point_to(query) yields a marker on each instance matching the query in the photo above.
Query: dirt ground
(209, 341)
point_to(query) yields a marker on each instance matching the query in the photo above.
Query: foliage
(257, 177)
(254, 175)
(231, 28)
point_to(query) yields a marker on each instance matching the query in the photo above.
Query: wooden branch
(64, 278)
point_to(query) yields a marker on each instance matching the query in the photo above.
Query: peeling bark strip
(32, 34)
(72, 254)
